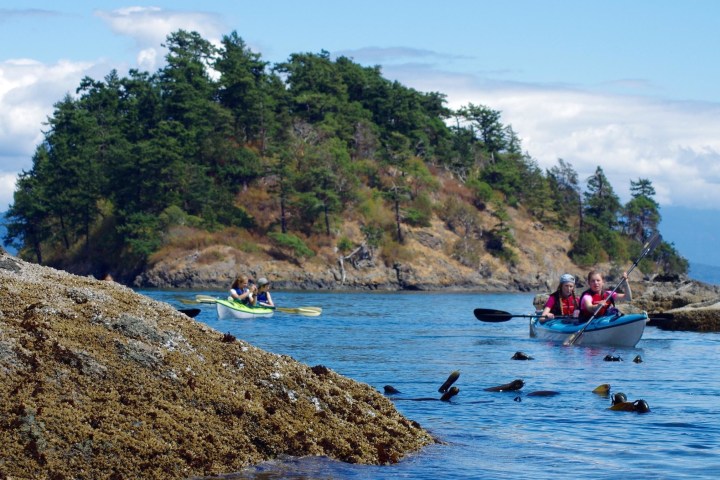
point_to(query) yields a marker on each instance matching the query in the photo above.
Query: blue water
(705, 273)
(413, 341)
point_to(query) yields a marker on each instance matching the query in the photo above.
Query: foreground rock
(99, 382)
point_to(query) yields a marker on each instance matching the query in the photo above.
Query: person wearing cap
(598, 302)
(263, 295)
(562, 302)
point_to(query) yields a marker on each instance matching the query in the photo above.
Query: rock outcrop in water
(696, 318)
(100, 382)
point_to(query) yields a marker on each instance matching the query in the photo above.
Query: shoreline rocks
(656, 295)
(99, 381)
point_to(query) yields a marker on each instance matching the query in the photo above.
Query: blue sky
(631, 86)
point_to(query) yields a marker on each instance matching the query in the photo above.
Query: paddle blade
(205, 299)
(304, 311)
(651, 244)
(572, 338)
(317, 309)
(489, 315)
(187, 301)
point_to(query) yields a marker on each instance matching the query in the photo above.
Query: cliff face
(100, 382)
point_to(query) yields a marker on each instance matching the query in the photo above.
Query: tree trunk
(397, 221)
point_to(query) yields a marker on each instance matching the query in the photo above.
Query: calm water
(414, 340)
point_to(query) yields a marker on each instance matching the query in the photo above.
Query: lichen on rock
(101, 382)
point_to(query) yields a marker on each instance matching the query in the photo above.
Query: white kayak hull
(230, 309)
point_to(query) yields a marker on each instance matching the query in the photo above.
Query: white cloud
(28, 91)
(7, 187)
(150, 26)
(147, 59)
(673, 144)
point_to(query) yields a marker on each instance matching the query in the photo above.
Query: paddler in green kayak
(241, 291)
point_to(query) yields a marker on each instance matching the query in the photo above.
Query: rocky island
(101, 382)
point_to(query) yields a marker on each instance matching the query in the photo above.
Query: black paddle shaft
(496, 316)
(488, 315)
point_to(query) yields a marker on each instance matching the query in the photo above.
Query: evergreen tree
(601, 215)
(599, 223)
(130, 157)
(485, 122)
(316, 88)
(564, 189)
(601, 203)
(395, 183)
(254, 96)
(642, 214)
(27, 221)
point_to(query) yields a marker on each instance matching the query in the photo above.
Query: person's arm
(269, 301)
(546, 315)
(240, 296)
(576, 310)
(252, 296)
(628, 292)
(626, 296)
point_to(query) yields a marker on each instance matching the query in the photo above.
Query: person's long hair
(239, 280)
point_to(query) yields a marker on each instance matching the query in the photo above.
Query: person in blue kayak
(264, 299)
(241, 290)
(562, 302)
(597, 301)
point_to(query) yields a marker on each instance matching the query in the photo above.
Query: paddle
(187, 301)
(495, 316)
(647, 248)
(304, 311)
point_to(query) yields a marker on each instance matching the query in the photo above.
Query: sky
(632, 86)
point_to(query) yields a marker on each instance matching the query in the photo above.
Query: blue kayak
(621, 330)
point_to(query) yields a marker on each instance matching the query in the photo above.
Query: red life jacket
(563, 306)
(596, 298)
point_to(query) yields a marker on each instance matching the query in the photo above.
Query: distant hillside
(311, 161)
